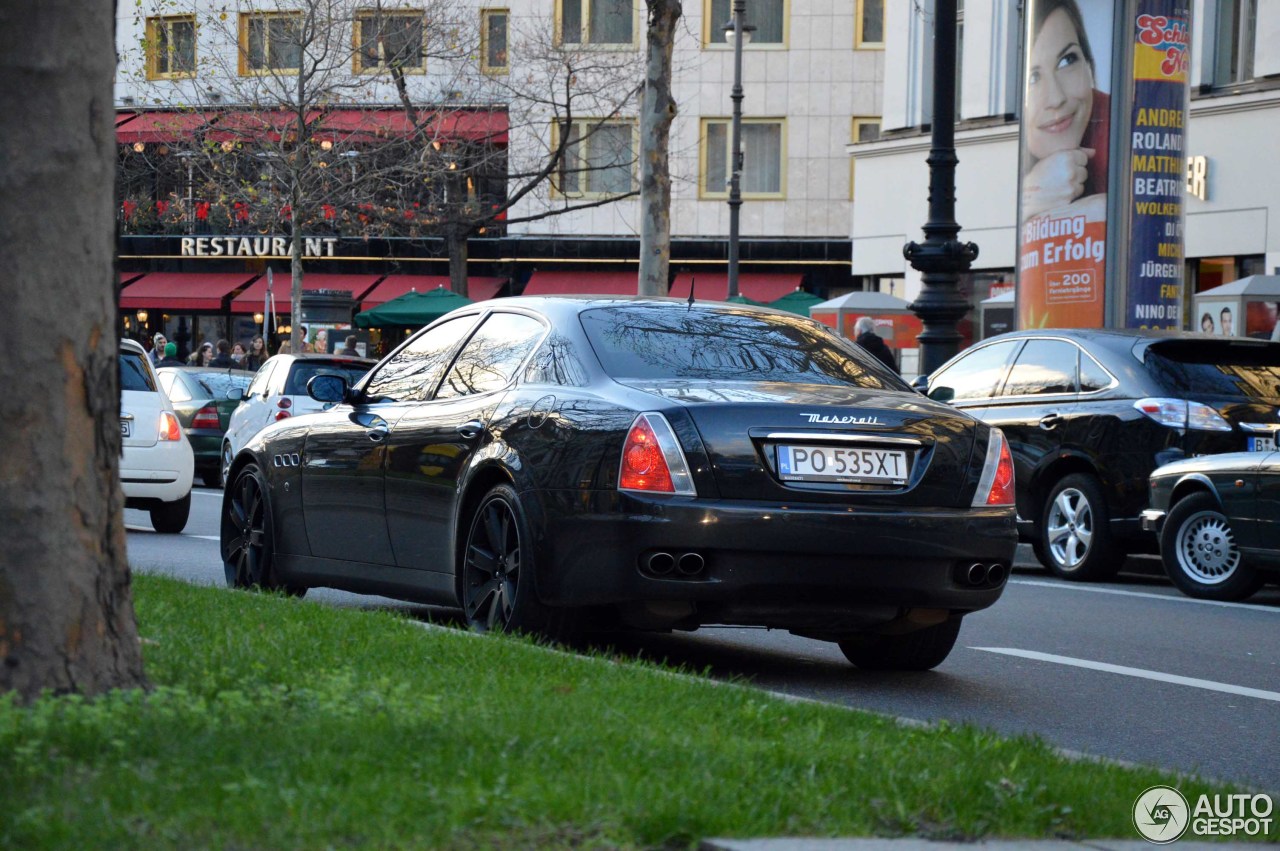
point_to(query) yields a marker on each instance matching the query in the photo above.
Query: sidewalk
(927, 845)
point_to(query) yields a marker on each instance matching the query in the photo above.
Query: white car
(279, 391)
(157, 464)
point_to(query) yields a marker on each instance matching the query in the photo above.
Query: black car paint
(385, 515)
(1247, 487)
(1101, 433)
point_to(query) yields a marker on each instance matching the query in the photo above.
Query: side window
(259, 384)
(975, 376)
(133, 373)
(1044, 367)
(415, 370)
(556, 362)
(173, 388)
(491, 357)
(1092, 375)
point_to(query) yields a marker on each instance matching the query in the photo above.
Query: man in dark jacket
(222, 359)
(866, 336)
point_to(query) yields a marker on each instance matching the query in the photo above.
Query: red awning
(393, 286)
(253, 299)
(369, 125)
(583, 283)
(160, 126)
(182, 291)
(759, 286)
(249, 126)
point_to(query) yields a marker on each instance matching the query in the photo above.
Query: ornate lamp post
(941, 257)
(738, 33)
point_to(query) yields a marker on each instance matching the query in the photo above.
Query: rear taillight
(206, 417)
(1179, 413)
(284, 403)
(169, 427)
(651, 459)
(995, 487)
(281, 415)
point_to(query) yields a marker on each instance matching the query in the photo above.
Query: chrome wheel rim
(226, 461)
(1070, 528)
(1206, 548)
(491, 573)
(244, 533)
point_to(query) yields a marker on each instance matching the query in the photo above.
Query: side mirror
(942, 394)
(921, 383)
(327, 388)
(235, 393)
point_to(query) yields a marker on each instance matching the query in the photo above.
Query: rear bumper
(161, 472)
(803, 567)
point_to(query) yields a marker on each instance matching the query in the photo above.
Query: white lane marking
(129, 528)
(217, 493)
(1140, 673)
(1173, 598)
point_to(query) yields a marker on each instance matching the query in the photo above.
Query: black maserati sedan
(550, 463)
(1218, 518)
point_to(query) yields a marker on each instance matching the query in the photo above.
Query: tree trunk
(456, 242)
(657, 109)
(66, 610)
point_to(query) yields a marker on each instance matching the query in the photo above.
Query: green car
(204, 399)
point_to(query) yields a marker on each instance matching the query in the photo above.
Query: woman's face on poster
(1059, 88)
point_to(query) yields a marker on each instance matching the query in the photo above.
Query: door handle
(471, 429)
(1050, 421)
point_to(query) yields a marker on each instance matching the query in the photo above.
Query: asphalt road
(1128, 670)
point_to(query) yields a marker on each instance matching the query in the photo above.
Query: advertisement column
(1062, 249)
(1159, 118)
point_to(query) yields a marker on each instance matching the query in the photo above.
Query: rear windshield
(216, 384)
(134, 374)
(1208, 368)
(303, 371)
(642, 342)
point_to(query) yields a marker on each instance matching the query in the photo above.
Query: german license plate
(126, 428)
(841, 464)
(1262, 444)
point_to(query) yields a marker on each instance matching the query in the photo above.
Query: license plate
(1262, 444)
(841, 464)
(126, 428)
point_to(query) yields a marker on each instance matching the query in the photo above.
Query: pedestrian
(157, 348)
(170, 356)
(257, 354)
(223, 359)
(350, 348)
(202, 355)
(865, 335)
(238, 354)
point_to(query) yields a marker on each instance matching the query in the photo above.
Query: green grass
(275, 723)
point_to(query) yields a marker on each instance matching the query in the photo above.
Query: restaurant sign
(255, 246)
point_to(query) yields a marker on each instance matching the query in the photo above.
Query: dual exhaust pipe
(680, 564)
(979, 574)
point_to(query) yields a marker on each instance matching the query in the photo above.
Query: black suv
(1089, 413)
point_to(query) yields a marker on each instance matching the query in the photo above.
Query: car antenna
(692, 281)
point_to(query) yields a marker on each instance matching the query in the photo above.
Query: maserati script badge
(824, 418)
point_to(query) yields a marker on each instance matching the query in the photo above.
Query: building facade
(510, 84)
(1232, 204)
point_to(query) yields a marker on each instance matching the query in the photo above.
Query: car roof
(132, 345)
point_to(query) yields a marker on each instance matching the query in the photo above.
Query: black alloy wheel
(497, 581)
(247, 546)
(1200, 552)
(1075, 531)
(224, 463)
(921, 650)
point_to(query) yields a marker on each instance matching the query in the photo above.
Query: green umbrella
(796, 301)
(412, 308)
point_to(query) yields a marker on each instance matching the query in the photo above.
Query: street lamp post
(738, 33)
(941, 257)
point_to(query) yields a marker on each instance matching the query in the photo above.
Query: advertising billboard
(1064, 154)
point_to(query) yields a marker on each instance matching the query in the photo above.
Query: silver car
(156, 464)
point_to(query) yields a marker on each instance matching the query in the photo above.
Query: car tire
(170, 518)
(921, 650)
(247, 542)
(1200, 552)
(212, 478)
(224, 464)
(496, 573)
(1075, 531)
